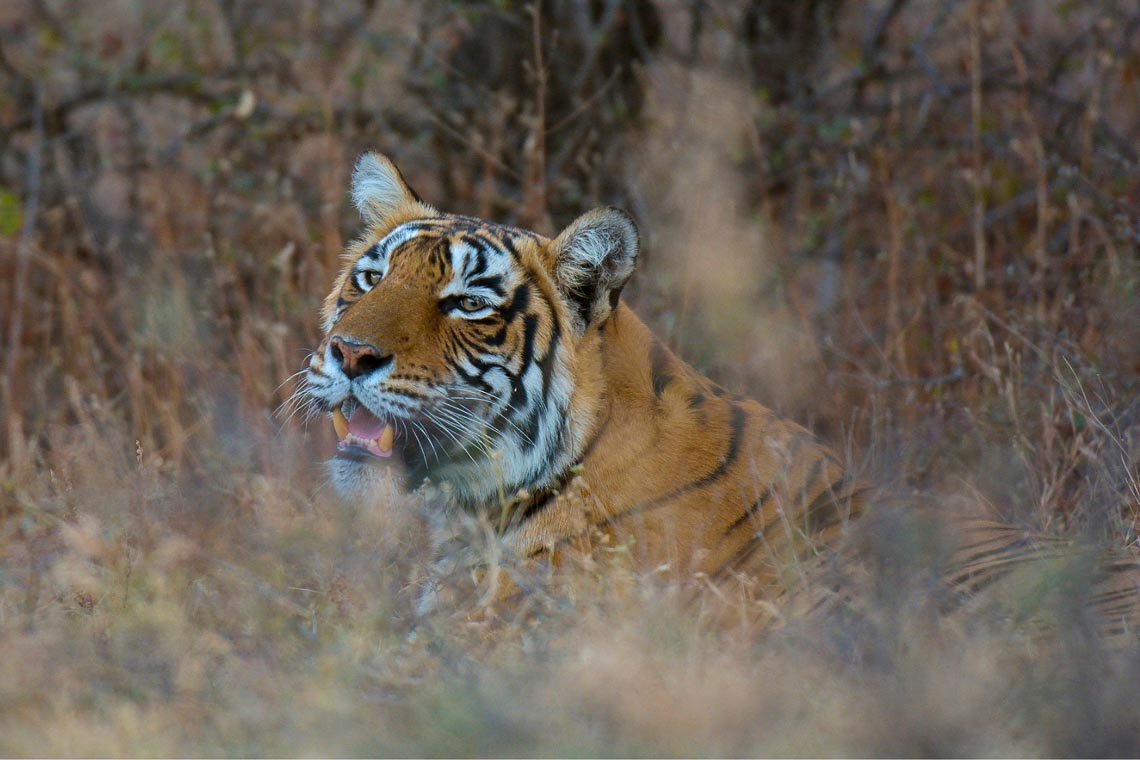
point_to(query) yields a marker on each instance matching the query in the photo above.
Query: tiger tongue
(363, 430)
(365, 425)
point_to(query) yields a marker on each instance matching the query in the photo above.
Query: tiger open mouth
(360, 431)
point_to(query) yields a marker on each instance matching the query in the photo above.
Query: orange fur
(563, 422)
(697, 480)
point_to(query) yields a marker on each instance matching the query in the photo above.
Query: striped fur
(974, 570)
(524, 393)
(993, 561)
(554, 410)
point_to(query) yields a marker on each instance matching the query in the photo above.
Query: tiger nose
(358, 359)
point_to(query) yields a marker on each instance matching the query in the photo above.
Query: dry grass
(920, 236)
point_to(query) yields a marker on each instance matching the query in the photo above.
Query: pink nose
(358, 359)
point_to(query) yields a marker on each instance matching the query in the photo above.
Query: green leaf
(11, 214)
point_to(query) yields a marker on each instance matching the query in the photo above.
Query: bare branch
(23, 254)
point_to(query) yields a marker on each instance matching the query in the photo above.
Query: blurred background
(912, 225)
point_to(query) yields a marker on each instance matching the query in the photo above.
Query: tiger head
(465, 351)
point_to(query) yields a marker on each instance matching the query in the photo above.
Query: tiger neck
(654, 414)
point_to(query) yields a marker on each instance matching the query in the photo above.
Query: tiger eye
(471, 303)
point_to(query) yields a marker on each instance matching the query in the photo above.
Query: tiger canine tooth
(384, 442)
(340, 424)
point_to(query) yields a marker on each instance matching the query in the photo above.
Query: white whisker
(452, 423)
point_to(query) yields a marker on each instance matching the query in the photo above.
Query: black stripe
(440, 257)
(546, 363)
(402, 392)
(751, 511)
(518, 387)
(545, 496)
(615, 294)
(555, 448)
(480, 265)
(493, 283)
(490, 319)
(410, 226)
(535, 507)
(496, 338)
(660, 370)
(509, 245)
(827, 497)
(583, 299)
(475, 380)
(483, 366)
(739, 418)
(530, 426)
(519, 303)
(812, 475)
(1119, 595)
(472, 347)
(979, 581)
(1003, 549)
(467, 263)
(742, 555)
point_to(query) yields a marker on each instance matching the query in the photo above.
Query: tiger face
(461, 349)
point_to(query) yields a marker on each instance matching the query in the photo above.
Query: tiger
(501, 371)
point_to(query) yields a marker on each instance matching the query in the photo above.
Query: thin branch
(976, 153)
(55, 117)
(872, 57)
(23, 254)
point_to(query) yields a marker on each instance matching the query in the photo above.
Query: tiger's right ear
(379, 190)
(593, 259)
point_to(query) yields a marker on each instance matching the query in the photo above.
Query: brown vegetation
(912, 225)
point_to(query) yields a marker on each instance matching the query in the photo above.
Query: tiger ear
(593, 259)
(379, 190)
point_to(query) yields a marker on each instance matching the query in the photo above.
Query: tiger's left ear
(593, 259)
(380, 192)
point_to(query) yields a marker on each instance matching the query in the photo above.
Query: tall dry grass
(911, 225)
